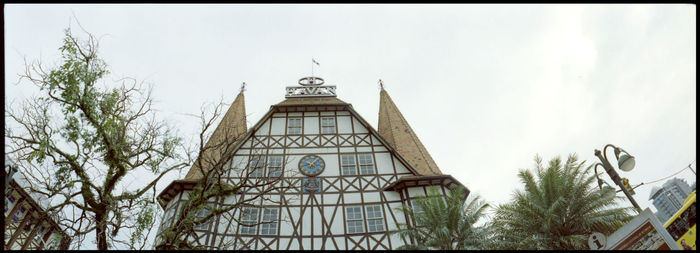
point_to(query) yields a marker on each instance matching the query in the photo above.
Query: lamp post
(624, 162)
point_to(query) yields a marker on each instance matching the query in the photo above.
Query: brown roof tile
(394, 128)
(232, 127)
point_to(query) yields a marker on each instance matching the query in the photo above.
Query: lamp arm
(605, 154)
(595, 170)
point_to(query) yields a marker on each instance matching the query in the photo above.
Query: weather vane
(242, 87)
(312, 66)
(381, 84)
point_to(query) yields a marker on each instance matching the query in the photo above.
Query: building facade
(27, 225)
(669, 198)
(347, 180)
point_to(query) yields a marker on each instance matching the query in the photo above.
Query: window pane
(248, 218)
(354, 213)
(201, 214)
(375, 225)
(268, 227)
(355, 227)
(348, 164)
(247, 228)
(250, 214)
(294, 126)
(374, 212)
(274, 166)
(366, 164)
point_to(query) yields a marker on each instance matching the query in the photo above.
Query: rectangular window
(366, 164)
(257, 166)
(249, 220)
(269, 221)
(294, 126)
(167, 219)
(19, 214)
(328, 125)
(201, 214)
(274, 166)
(9, 201)
(39, 233)
(353, 219)
(348, 165)
(375, 219)
(417, 210)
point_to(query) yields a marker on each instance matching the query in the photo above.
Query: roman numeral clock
(311, 166)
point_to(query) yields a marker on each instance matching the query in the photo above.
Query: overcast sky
(485, 87)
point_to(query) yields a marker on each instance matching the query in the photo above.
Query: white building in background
(669, 198)
(348, 178)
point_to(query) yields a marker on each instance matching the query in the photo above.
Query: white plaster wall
(359, 129)
(306, 243)
(344, 125)
(264, 129)
(371, 197)
(278, 125)
(318, 221)
(352, 198)
(364, 149)
(400, 168)
(318, 243)
(311, 125)
(330, 198)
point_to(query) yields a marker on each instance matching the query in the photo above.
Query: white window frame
(417, 210)
(328, 128)
(20, 214)
(347, 168)
(269, 224)
(295, 129)
(364, 164)
(273, 165)
(201, 213)
(257, 166)
(354, 220)
(167, 218)
(375, 218)
(252, 229)
(10, 200)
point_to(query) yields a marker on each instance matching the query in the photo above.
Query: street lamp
(625, 162)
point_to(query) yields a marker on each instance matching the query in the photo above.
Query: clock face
(311, 165)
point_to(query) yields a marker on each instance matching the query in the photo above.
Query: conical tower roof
(231, 128)
(394, 128)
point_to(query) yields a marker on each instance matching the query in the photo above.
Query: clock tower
(347, 180)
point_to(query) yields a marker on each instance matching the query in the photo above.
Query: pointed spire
(231, 128)
(394, 128)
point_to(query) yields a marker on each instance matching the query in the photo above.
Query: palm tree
(444, 223)
(558, 210)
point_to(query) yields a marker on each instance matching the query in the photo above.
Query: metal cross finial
(381, 84)
(242, 87)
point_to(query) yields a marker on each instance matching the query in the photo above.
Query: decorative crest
(310, 87)
(311, 81)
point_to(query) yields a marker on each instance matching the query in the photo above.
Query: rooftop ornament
(310, 87)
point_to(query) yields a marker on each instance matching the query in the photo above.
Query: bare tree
(82, 143)
(237, 183)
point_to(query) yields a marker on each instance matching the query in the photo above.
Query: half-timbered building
(27, 224)
(349, 179)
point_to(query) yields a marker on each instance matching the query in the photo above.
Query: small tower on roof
(232, 127)
(396, 130)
